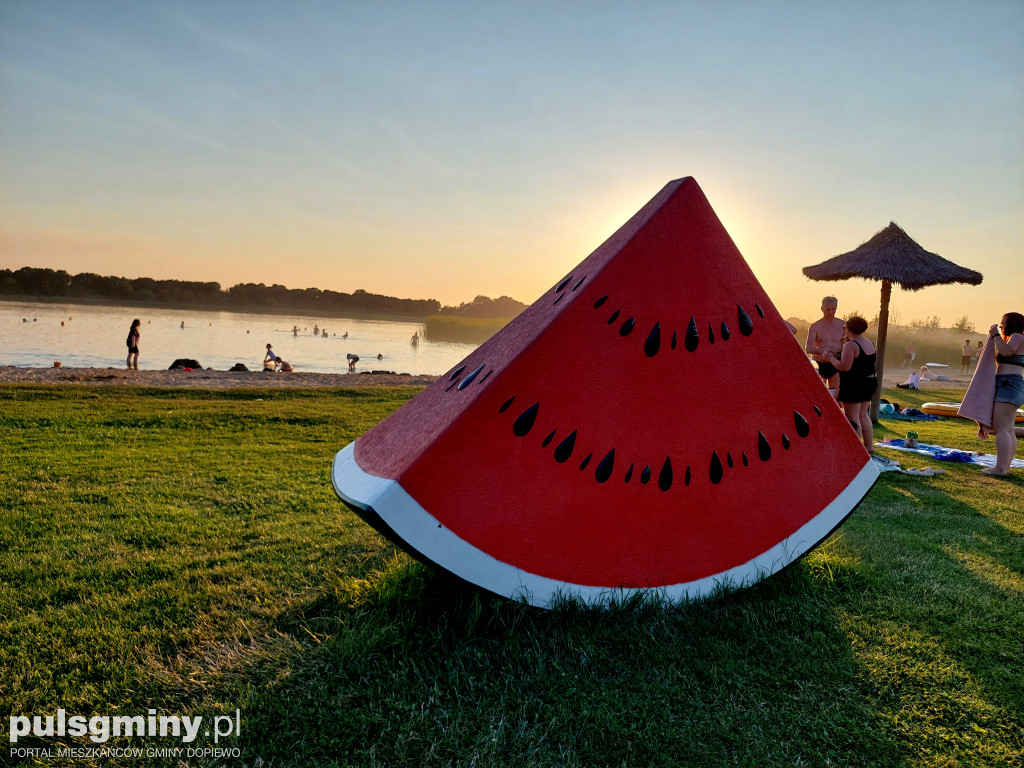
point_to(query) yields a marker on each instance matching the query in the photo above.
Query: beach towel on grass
(909, 417)
(940, 453)
(981, 393)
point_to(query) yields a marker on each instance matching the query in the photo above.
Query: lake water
(34, 335)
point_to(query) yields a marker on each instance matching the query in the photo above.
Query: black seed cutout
(579, 283)
(687, 478)
(506, 405)
(524, 423)
(653, 342)
(629, 473)
(564, 449)
(456, 373)
(724, 331)
(561, 285)
(759, 310)
(469, 379)
(692, 337)
(665, 477)
(486, 375)
(451, 386)
(645, 476)
(614, 317)
(583, 464)
(802, 427)
(746, 324)
(599, 302)
(560, 297)
(717, 471)
(785, 442)
(604, 469)
(675, 339)
(817, 410)
(627, 327)
(744, 455)
(548, 439)
(764, 451)
(728, 460)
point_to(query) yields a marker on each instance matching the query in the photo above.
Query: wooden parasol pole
(883, 329)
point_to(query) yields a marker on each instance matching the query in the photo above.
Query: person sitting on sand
(285, 366)
(913, 382)
(270, 359)
(929, 376)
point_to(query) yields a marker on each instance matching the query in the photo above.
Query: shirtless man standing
(826, 335)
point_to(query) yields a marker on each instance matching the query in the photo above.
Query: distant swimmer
(380, 357)
(316, 330)
(415, 340)
(182, 323)
(344, 335)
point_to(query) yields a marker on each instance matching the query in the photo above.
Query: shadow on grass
(413, 668)
(959, 570)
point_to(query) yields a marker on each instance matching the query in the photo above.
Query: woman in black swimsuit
(857, 378)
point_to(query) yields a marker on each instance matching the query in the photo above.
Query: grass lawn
(183, 551)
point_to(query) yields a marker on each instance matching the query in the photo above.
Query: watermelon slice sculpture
(649, 424)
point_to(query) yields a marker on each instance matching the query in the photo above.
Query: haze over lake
(94, 336)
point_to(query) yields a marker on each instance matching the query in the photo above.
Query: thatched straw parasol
(892, 256)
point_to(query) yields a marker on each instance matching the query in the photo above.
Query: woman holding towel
(1008, 340)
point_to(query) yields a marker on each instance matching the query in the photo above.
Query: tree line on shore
(36, 282)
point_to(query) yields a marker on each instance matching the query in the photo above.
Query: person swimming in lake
(133, 344)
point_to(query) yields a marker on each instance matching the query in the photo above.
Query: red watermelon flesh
(648, 423)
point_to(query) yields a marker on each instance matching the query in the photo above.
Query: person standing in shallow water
(133, 344)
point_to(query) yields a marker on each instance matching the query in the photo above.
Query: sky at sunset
(449, 149)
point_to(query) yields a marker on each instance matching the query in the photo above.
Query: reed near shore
(463, 330)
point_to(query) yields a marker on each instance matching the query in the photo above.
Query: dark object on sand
(238, 367)
(183, 362)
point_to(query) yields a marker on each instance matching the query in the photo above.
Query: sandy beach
(226, 379)
(205, 378)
